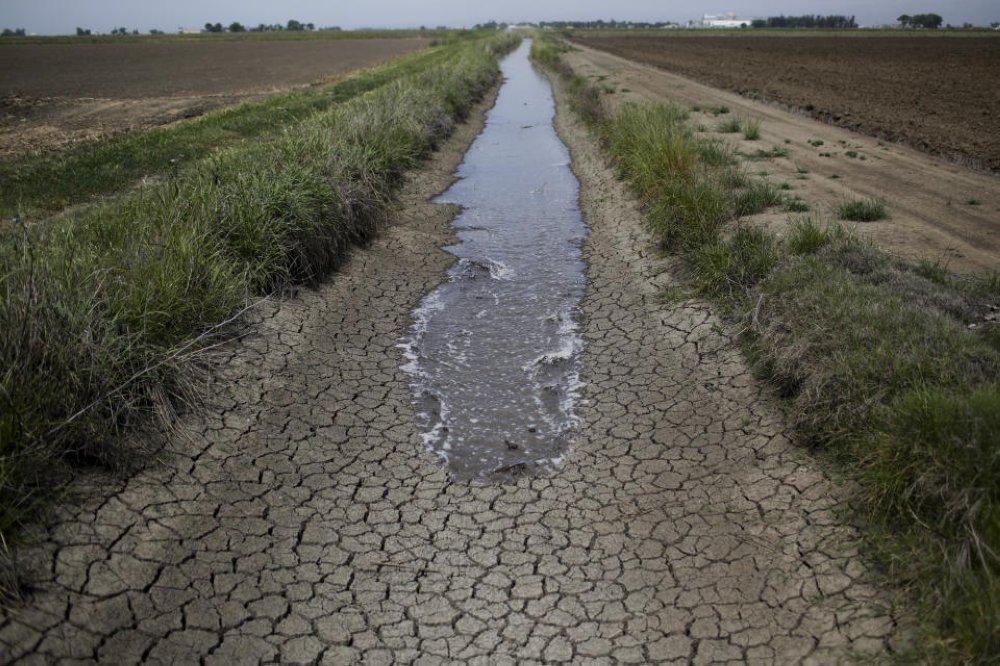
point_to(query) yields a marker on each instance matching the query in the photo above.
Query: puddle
(494, 352)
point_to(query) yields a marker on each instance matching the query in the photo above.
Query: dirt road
(301, 520)
(938, 210)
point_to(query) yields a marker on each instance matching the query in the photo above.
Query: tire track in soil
(300, 520)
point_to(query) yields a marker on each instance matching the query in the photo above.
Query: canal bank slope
(301, 520)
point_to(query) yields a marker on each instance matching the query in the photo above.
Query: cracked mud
(301, 520)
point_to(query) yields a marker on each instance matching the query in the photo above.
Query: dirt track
(300, 519)
(938, 210)
(939, 94)
(53, 94)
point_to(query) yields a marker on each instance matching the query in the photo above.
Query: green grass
(756, 197)
(750, 127)
(795, 205)
(730, 126)
(879, 366)
(34, 185)
(761, 154)
(863, 210)
(105, 312)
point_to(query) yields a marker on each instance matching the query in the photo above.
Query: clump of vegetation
(862, 210)
(730, 126)
(105, 311)
(751, 129)
(748, 126)
(876, 359)
(761, 154)
(795, 205)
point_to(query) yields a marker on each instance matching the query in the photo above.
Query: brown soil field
(53, 94)
(938, 210)
(941, 95)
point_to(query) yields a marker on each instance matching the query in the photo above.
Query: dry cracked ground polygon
(299, 519)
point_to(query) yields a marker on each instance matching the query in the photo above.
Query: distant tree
(927, 21)
(831, 22)
(294, 25)
(16, 32)
(213, 27)
(81, 32)
(236, 26)
(154, 31)
(119, 31)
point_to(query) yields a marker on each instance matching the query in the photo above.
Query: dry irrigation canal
(299, 519)
(494, 350)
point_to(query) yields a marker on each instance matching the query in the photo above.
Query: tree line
(584, 25)
(929, 21)
(833, 21)
(291, 26)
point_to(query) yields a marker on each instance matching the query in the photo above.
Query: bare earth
(930, 201)
(300, 519)
(54, 94)
(936, 93)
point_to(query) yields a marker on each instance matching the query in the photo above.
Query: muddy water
(494, 351)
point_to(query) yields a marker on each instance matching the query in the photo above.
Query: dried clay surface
(303, 522)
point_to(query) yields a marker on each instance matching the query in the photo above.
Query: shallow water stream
(494, 351)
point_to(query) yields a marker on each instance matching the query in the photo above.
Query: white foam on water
(495, 373)
(500, 270)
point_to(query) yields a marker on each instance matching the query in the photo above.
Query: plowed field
(939, 94)
(52, 94)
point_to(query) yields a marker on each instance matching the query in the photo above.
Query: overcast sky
(63, 16)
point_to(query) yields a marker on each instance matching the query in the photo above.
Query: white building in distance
(728, 20)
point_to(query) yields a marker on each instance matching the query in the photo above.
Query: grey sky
(62, 16)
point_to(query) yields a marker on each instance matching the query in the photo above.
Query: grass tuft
(806, 236)
(730, 268)
(730, 126)
(795, 205)
(862, 210)
(756, 197)
(751, 130)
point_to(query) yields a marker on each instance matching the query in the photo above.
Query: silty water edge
(494, 352)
